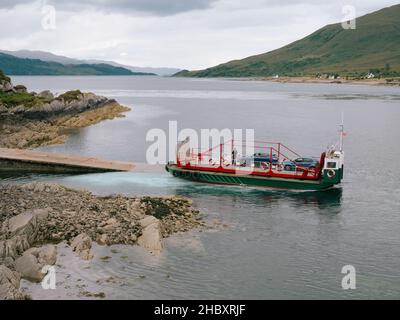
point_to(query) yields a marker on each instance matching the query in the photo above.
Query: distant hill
(50, 57)
(41, 55)
(373, 46)
(12, 65)
(161, 71)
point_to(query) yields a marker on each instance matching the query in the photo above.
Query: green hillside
(18, 66)
(373, 46)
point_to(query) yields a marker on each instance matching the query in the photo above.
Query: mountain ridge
(50, 57)
(22, 66)
(373, 46)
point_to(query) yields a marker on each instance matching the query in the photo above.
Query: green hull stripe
(221, 178)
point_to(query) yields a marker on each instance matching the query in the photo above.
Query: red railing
(206, 160)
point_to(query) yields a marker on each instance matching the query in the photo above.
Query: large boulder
(31, 263)
(46, 255)
(19, 223)
(25, 224)
(9, 285)
(148, 220)
(82, 245)
(6, 85)
(20, 232)
(151, 238)
(46, 95)
(13, 247)
(20, 89)
(29, 267)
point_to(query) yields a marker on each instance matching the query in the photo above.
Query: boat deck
(274, 171)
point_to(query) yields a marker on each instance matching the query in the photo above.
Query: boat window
(331, 165)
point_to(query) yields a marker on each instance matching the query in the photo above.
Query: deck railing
(222, 158)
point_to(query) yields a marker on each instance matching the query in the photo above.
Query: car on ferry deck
(257, 159)
(310, 163)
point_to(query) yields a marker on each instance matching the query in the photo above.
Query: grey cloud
(156, 7)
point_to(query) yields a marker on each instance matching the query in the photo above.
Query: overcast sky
(188, 34)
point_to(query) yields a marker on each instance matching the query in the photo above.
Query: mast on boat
(341, 132)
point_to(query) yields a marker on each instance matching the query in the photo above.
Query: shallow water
(263, 243)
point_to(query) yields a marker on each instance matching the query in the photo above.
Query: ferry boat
(272, 165)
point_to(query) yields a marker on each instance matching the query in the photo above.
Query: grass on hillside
(29, 100)
(70, 95)
(373, 47)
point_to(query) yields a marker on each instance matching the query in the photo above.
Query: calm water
(264, 244)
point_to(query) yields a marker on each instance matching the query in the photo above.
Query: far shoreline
(282, 79)
(370, 82)
(313, 80)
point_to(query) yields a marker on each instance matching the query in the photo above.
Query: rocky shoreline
(31, 120)
(35, 216)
